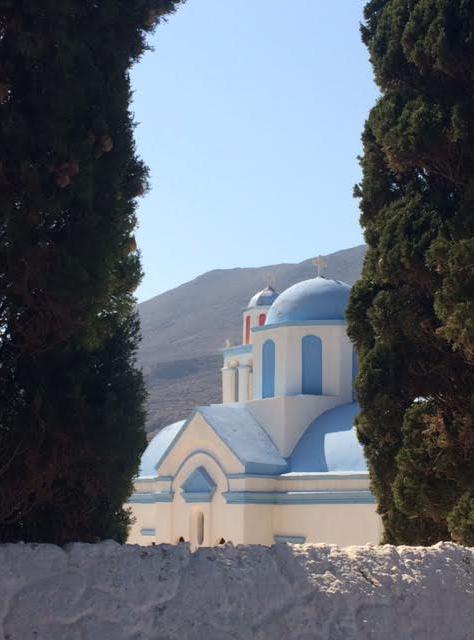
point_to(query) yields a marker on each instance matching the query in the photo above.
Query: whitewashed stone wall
(308, 592)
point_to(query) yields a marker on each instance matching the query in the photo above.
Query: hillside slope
(184, 329)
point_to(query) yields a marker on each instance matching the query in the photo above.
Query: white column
(228, 384)
(244, 379)
(251, 384)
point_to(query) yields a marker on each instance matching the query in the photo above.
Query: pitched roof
(199, 482)
(245, 437)
(235, 426)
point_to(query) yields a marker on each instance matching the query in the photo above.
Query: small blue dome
(157, 448)
(315, 299)
(263, 298)
(330, 444)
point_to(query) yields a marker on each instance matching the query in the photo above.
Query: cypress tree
(71, 400)
(411, 315)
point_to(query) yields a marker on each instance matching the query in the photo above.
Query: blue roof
(330, 443)
(263, 298)
(199, 482)
(158, 448)
(238, 429)
(245, 437)
(314, 299)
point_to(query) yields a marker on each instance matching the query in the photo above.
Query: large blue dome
(330, 444)
(315, 299)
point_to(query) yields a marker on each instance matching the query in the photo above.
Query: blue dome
(157, 448)
(330, 444)
(315, 299)
(263, 298)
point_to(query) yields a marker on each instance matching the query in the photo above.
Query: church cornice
(299, 497)
(151, 497)
(299, 323)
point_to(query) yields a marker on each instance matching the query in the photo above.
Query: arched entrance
(197, 509)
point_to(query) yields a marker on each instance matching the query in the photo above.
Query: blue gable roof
(245, 437)
(199, 481)
(198, 486)
(235, 426)
(330, 443)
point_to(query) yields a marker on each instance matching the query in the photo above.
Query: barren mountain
(185, 328)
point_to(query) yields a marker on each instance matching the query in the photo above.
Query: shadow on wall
(49, 592)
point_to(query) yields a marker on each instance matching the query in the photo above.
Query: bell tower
(255, 314)
(237, 372)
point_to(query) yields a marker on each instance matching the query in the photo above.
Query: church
(279, 459)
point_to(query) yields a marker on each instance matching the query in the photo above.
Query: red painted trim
(247, 330)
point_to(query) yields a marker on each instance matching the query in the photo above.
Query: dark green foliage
(71, 402)
(412, 313)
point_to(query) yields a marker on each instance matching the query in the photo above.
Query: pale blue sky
(250, 114)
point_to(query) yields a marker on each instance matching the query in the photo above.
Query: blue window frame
(268, 369)
(312, 363)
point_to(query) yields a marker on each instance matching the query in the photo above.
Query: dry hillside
(185, 328)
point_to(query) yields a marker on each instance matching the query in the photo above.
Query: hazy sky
(250, 114)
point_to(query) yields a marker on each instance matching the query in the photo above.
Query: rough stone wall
(307, 592)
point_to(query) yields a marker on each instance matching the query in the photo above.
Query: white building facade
(279, 459)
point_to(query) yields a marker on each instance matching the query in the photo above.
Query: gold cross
(319, 263)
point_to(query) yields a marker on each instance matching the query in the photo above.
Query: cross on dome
(269, 280)
(320, 263)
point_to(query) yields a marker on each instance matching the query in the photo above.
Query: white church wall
(301, 482)
(183, 521)
(345, 524)
(324, 482)
(336, 359)
(151, 523)
(342, 524)
(183, 514)
(143, 515)
(244, 383)
(285, 418)
(227, 524)
(229, 384)
(253, 483)
(254, 314)
(319, 481)
(258, 523)
(220, 522)
(176, 520)
(146, 484)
